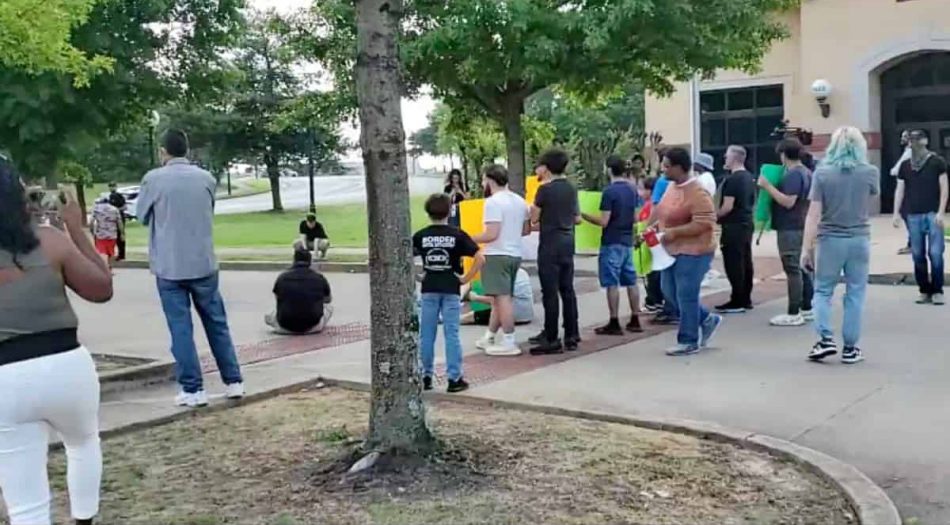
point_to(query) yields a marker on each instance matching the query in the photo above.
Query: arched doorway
(915, 94)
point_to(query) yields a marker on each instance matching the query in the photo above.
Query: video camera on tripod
(784, 131)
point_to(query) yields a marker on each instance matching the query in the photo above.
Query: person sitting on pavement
(687, 220)
(313, 237)
(524, 302)
(303, 299)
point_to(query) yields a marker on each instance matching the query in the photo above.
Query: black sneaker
(571, 345)
(851, 355)
(427, 383)
(459, 385)
(653, 308)
(538, 339)
(822, 349)
(611, 328)
(730, 308)
(547, 348)
(634, 325)
(663, 319)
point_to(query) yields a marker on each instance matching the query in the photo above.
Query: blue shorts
(615, 266)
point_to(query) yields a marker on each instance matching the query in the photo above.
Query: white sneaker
(198, 399)
(787, 320)
(808, 315)
(938, 299)
(485, 342)
(234, 391)
(503, 350)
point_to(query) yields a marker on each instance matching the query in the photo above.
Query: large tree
(496, 54)
(158, 48)
(397, 414)
(35, 38)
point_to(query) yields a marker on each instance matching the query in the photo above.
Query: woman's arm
(84, 271)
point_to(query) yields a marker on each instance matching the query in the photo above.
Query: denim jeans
(837, 255)
(668, 287)
(450, 308)
(177, 297)
(688, 273)
(927, 242)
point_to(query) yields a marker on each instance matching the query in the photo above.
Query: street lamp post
(154, 119)
(310, 168)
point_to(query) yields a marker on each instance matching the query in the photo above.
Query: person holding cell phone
(48, 380)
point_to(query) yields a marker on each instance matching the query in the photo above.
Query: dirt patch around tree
(281, 462)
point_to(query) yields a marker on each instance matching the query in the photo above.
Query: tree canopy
(497, 54)
(35, 38)
(161, 50)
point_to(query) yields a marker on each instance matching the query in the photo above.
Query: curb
(136, 376)
(871, 503)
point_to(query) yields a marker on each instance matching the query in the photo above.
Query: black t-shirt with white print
(442, 247)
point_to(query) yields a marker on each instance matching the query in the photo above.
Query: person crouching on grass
(441, 247)
(618, 218)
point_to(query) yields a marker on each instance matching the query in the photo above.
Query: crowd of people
(820, 213)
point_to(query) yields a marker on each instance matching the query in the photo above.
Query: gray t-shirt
(176, 202)
(845, 197)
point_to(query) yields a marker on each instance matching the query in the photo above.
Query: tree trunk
(397, 415)
(514, 144)
(273, 174)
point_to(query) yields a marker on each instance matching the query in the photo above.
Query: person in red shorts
(106, 228)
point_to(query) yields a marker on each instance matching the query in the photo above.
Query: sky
(415, 113)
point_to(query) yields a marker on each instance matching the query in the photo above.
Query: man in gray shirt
(176, 203)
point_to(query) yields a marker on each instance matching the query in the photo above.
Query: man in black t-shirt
(735, 216)
(789, 207)
(556, 212)
(441, 248)
(922, 188)
(313, 237)
(303, 299)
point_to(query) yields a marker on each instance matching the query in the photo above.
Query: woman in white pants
(48, 381)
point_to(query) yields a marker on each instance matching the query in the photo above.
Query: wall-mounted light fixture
(822, 89)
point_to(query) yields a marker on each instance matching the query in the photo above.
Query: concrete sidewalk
(886, 416)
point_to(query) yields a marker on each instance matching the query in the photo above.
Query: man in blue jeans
(176, 202)
(922, 189)
(618, 218)
(441, 248)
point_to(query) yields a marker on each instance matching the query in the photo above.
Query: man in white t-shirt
(505, 217)
(703, 167)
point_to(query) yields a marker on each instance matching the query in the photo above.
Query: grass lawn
(280, 462)
(345, 224)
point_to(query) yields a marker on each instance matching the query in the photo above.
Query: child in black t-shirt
(441, 248)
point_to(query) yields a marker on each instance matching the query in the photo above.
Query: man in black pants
(735, 216)
(557, 212)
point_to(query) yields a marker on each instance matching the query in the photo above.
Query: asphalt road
(295, 193)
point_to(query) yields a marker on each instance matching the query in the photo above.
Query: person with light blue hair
(838, 225)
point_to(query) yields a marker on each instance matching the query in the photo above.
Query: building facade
(887, 63)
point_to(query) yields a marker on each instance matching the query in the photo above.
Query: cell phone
(46, 206)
